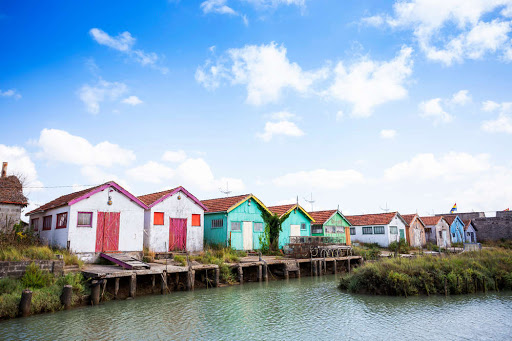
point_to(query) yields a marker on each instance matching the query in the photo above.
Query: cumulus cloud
(152, 172)
(124, 43)
(503, 123)
(320, 178)
(132, 100)
(59, 145)
(435, 108)
(285, 128)
(97, 175)
(451, 31)
(461, 97)
(93, 95)
(20, 164)
(217, 6)
(388, 133)
(368, 83)
(199, 174)
(13, 93)
(174, 156)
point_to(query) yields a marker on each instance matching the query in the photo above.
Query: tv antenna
(311, 201)
(385, 209)
(225, 191)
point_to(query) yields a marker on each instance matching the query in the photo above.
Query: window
(236, 226)
(367, 230)
(196, 220)
(158, 218)
(317, 229)
(35, 224)
(440, 235)
(258, 227)
(378, 230)
(62, 220)
(47, 223)
(340, 229)
(303, 227)
(217, 223)
(329, 229)
(352, 231)
(84, 219)
(393, 230)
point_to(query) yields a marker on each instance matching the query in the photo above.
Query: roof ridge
(233, 196)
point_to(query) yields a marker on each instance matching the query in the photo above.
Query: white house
(105, 218)
(382, 228)
(174, 220)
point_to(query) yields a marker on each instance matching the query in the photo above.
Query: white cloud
(96, 175)
(10, 93)
(433, 109)
(339, 115)
(490, 106)
(93, 95)
(282, 115)
(285, 128)
(265, 71)
(451, 31)
(174, 156)
(124, 43)
(217, 6)
(132, 100)
(387, 133)
(152, 172)
(198, 173)
(20, 163)
(461, 98)
(503, 123)
(320, 178)
(61, 146)
(367, 83)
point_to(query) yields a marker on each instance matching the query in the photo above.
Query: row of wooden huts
(107, 218)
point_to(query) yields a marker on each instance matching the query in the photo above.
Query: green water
(298, 309)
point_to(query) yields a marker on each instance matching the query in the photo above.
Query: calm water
(300, 309)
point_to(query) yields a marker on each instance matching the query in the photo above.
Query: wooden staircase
(126, 261)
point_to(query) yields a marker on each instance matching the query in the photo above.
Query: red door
(177, 234)
(107, 231)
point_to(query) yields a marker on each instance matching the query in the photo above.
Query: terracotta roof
(281, 209)
(148, 199)
(431, 220)
(321, 216)
(410, 217)
(11, 191)
(223, 204)
(449, 219)
(371, 219)
(467, 223)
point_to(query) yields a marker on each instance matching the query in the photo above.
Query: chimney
(4, 169)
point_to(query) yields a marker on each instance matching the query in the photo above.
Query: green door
(402, 234)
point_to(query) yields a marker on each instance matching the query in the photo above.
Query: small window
(258, 227)
(340, 229)
(329, 229)
(393, 230)
(236, 226)
(196, 220)
(35, 224)
(378, 230)
(47, 223)
(367, 230)
(62, 220)
(317, 229)
(158, 218)
(84, 219)
(440, 235)
(352, 231)
(216, 223)
(303, 227)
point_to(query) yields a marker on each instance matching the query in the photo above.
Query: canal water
(299, 309)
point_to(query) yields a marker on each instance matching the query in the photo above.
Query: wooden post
(348, 265)
(25, 303)
(116, 287)
(240, 274)
(133, 285)
(163, 283)
(314, 267)
(217, 277)
(335, 270)
(260, 276)
(153, 283)
(191, 279)
(67, 295)
(265, 272)
(95, 292)
(286, 272)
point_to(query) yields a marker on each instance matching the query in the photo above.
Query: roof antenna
(227, 191)
(385, 209)
(311, 201)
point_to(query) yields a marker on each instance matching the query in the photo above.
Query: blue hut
(456, 228)
(297, 224)
(234, 221)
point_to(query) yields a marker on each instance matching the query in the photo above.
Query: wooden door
(402, 234)
(294, 230)
(107, 231)
(177, 234)
(247, 235)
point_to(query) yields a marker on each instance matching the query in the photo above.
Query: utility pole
(311, 201)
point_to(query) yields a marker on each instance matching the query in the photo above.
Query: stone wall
(17, 269)
(9, 215)
(494, 228)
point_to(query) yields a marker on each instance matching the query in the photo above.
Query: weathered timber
(133, 285)
(25, 303)
(66, 296)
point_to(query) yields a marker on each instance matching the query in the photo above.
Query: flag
(508, 209)
(454, 208)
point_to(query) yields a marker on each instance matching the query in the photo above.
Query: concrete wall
(9, 215)
(156, 237)
(17, 269)
(494, 228)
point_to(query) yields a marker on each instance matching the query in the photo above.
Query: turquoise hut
(234, 221)
(297, 224)
(456, 228)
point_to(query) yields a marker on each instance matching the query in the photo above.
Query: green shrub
(180, 260)
(9, 285)
(402, 244)
(9, 304)
(34, 277)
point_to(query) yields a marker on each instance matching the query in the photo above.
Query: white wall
(381, 239)
(157, 236)
(54, 237)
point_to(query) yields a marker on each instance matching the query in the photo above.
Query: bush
(148, 255)
(402, 245)
(9, 285)
(372, 253)
(433, 247)
(34, 277)
(180, 260)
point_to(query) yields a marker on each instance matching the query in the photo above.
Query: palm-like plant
(273, 225)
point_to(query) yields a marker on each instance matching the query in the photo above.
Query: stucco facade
(382, 234)
(437, 231)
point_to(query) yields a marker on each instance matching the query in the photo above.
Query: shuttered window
(158, 218)
(216, 223)
(196, 220)
(47, 223)
(84, 219)
(236, 226)
(62, 220)
(258, 227)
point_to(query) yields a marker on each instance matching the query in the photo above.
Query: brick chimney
(4, 169)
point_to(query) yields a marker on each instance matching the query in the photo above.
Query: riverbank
(468, 272)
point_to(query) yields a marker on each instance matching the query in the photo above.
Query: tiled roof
(467, 223)
(371, 219)
(449, 219)
(11, 191)
(281, 209)
(223, 204)
(62, 200)
(321, 216)
(410, 217)
(431, 220)
(148, 199)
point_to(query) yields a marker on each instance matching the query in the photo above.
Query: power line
(39, 187)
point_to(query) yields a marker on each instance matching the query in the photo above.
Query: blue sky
(362, 103)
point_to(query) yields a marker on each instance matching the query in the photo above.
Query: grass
(402, 246)
(181, 260)
(369, 251)
(464, 273)
(220, 256)
(37, 252)
(502, 243)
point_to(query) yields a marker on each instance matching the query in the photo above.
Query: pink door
(107, 232)
(177, 234)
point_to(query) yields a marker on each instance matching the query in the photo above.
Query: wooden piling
(286, 273)
(217, 278)
(25, 303)
(240, 275)
(260, 276)
(314, 267)
(153, 283)
(163, 283)
(348, 265)
(265, 272)
(335, 270)
(133, 285)
(116, 287)
(66, 296)
(191, 279)
(95, 292)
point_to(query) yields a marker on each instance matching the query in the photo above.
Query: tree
(273, 225)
